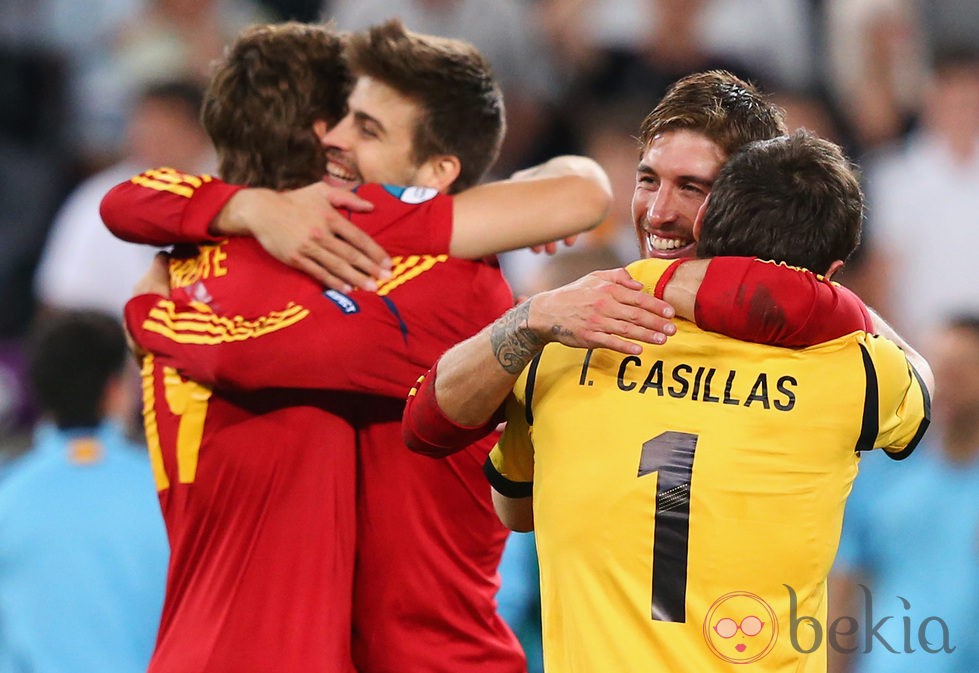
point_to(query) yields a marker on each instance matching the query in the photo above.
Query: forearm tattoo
(514, 344)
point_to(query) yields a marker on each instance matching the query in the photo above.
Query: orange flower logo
(740, 627)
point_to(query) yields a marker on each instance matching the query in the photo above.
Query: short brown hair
(793, 199)
(461, 103)
(722, 106)
(274, 81)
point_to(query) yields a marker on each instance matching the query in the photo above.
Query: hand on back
(601, 310)
(304, 229)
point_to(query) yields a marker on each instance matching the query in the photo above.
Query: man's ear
(698, 223)
(833, 268)
(439, 172)
(321, 128)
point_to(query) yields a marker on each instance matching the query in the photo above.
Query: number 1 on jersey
(670, 455)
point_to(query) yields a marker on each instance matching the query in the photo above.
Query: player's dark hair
(721, 106)
(794, 199)
(461, 103)
(70, 361)
(273, 83)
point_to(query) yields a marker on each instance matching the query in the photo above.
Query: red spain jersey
(428, 542)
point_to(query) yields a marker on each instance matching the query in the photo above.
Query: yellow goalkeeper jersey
(688, 501)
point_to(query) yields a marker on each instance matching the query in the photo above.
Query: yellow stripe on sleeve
(160, 186)
(193, 327)
(407, 268)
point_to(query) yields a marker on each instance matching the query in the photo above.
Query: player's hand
(156, 280)
(135, 349)
(303, 228)
(601, 310)
(551, 248)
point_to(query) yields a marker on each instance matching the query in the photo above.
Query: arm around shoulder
(560, 198)
(765, 302)
(915, 359)
(427, 430)
(163, 207)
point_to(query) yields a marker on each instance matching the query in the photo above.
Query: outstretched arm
(555, 200)
(915, 359)
(297, 336)
(302, 228)
(764, 302)
(304, 344)
(472, 379)
(559, 198)
(600, 310)
(738, 296)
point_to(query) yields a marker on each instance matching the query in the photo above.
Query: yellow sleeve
(904, 406)
(649, 271)
(510, 467)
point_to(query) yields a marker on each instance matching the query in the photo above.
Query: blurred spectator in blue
(83, 552)
(83, 266)
(923, 199)
(911, 536)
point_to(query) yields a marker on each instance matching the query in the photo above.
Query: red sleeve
(309, 342)
(427, 430)
(765, 302)
(162, 207)
(274, 328)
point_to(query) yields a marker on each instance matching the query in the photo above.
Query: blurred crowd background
(92, 92)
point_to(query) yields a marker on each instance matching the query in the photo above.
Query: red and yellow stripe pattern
(202, 327)
(406, 268)
(170, 180)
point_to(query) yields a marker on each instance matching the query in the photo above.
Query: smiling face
(374, 141)
(673, 179)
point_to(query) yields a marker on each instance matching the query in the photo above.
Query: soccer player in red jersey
(254, 460)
